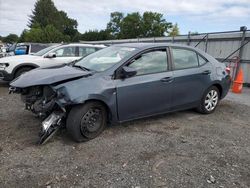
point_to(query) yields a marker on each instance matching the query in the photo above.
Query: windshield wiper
(83, 68)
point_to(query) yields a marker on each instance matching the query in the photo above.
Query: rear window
(184, 58)
(202, 61)
(83, 51)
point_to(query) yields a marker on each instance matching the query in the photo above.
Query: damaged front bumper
(43, 101)
(50, 126)
(39, 92)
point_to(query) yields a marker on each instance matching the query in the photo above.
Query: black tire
(202, 107)
(78, 119)
(22, 70)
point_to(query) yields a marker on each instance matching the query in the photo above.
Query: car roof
(144, 45)
(84, 45)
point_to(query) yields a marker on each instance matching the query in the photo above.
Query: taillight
(228, 70)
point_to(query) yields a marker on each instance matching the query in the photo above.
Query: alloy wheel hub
(211, 100)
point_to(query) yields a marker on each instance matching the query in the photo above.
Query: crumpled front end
(37, 91)
(42, 101)
(52, 97)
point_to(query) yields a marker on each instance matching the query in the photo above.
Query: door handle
(167, 79)
(206, 72)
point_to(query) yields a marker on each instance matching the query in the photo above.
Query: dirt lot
(181, 149)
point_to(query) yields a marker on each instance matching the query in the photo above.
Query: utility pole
(189, 38)
(243, 29)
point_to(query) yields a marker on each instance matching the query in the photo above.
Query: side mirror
(51, 55)
(127, 72)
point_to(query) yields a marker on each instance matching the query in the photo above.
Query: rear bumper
(226, 83)
(6, 76)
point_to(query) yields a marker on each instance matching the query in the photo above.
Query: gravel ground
(183, 149)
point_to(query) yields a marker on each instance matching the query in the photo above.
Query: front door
(149, 91)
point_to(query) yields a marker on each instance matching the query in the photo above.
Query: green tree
(11, 38)
(45, 13)
(114, 25)
(174, 31)
(150, 24)
(22, 36)
(95, 35)
(51, 34)
(48, 34)
(32, 35)
(131, 26)
(154, 25)
(194, 33)
(76, 37)
(67, 25)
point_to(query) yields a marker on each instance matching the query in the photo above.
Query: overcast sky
(191, 15)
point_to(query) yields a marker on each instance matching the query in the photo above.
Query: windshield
(44, 51)
(105, 58)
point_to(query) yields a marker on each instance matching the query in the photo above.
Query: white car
(13, 66)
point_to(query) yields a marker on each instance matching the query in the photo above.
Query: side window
(184, 58)
(66, 52)
(83, 51)
(202, 61)
(20, 50)
(151, 62)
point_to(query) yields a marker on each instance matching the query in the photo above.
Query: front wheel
(86, 121)
(209, 101)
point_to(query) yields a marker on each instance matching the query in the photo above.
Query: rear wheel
(209, 100)
(20, 71)
(87, 121)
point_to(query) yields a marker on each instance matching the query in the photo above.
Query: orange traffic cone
(238, 82)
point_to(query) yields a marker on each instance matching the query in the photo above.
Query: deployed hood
(47, 76)
(19, 58)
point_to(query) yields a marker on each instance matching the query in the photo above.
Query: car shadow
(4, 83)
(138, 124)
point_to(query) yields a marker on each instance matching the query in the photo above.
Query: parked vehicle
(13, 66)
(22, 50)
(121, 83)
(25, 48)
(3, 49)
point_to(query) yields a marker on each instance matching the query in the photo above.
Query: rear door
(191, 74)
(149, 91)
